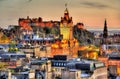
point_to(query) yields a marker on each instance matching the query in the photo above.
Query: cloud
(95, 5)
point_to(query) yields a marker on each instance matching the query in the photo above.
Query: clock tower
(66, 24)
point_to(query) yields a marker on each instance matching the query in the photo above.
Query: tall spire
(66, 10)
(105, 31)
(66, 13)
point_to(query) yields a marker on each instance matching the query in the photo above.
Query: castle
(59, 34)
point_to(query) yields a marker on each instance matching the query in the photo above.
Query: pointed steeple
(105, 31)
(66, 12)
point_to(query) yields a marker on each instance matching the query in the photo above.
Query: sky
(90, 12)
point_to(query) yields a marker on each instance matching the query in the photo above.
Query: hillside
(83, 36)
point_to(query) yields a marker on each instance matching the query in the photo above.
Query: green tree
(47, 30)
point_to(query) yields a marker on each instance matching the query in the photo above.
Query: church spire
(105, 31)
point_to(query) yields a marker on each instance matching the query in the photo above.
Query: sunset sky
(91, 12)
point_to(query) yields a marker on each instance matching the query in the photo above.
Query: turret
(66, 14)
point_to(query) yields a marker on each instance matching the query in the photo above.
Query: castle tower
(66, 24)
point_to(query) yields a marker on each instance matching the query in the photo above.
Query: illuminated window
(56, 64)
(61, 64)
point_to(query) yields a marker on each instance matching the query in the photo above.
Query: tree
(47, 30)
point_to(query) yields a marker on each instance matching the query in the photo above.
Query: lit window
(64, 64)
(61, 64)
(56, 64)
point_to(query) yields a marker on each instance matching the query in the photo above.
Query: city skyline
(91, 13)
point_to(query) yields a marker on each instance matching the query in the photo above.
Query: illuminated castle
(37, 29)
